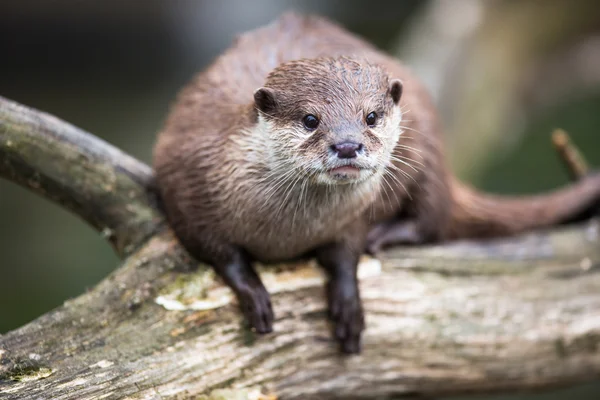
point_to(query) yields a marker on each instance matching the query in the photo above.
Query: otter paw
(345, 311)
(389, 234)
(255, 303)
(375, 239)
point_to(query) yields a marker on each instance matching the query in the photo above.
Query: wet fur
(241, 184)
(215, 143)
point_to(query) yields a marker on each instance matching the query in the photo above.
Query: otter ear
(396, 90)
(264, 99)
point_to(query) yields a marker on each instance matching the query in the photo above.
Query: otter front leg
(252, 295)
(340, 261)
(234, 266)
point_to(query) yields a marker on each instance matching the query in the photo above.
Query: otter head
(332, 120)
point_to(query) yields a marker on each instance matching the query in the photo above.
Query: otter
(295, 142)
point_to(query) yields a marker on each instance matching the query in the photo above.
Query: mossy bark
(515, 314)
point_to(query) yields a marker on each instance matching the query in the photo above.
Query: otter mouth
(339, 173)
(344, 172)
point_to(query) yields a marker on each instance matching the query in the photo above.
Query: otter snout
(346, 150)
(347, 162)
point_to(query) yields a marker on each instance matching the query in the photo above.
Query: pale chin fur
(325, 178)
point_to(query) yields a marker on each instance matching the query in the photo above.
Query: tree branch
(104, 186)
(515, 314)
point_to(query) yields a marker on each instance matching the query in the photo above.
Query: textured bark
(514, 314)
(106, 187)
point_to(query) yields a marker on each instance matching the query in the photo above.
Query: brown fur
(205, 161)
(226, 187)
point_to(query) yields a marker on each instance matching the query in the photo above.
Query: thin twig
(572, 158)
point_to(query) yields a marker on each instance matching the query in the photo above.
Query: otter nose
(346, 149)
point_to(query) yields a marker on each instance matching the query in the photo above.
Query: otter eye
(371, 119)
(310, 122)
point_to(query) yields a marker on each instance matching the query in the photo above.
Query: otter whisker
(402, 185)
(391, 167)
(400, 170)
(410, 160)
(406, 147)
(398, 194)
(394, 192)
(408, 128)
(290, 187)
(404, 127)
(277, 185)
(287, 192)
(412, 178)
(300, 198)
(277, 175)
(417, 167)
(407, 160)
(389, 201)
(405, 163)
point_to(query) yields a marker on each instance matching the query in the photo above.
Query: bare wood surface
(514, 314)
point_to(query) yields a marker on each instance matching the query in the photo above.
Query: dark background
(112, 68)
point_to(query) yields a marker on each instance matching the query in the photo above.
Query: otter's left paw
(345, 310)
(392, 233)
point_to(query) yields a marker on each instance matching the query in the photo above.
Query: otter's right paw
(255, 303)
(345, 310)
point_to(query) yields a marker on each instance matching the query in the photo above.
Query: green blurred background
(504, 75)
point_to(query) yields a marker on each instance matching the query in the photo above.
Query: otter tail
(481, 215)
